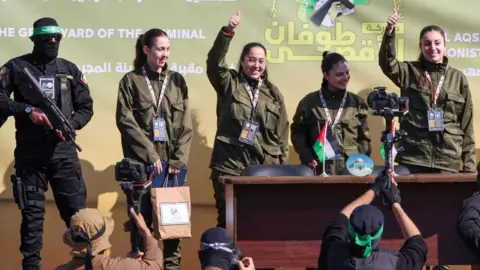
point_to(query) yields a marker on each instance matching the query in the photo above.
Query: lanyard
(253, 96)
(340, 110)
(158, 103)
(439, 86)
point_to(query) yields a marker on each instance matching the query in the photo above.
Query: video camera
(383, 103)
(237, 257)
(388, 105)
(135, 179)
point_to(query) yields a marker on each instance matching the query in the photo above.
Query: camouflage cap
(90, 223)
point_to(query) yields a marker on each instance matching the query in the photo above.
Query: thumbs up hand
(392, 21)
(234, 21)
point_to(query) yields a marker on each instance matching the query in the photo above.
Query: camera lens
(237, 257)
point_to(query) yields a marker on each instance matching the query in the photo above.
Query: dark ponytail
(140, 56)
(330, 59)
(146, 39)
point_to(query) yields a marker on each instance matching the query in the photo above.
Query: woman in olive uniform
(345, 112)
(440, 123)
(153, 116)
(252, 126)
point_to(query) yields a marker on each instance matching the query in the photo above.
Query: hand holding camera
(246, 264)
(386, 187)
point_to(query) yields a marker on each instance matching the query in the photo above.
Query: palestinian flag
(326, 147)
(394, 150)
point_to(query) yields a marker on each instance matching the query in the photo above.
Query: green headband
(46, 30)
(364, 240)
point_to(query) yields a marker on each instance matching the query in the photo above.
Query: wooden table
(280, 220)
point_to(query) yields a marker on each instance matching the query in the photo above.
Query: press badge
(249, 130)
(159, 130)
(435, 120)
(48, 86)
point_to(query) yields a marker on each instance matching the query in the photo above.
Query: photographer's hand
(141, 225)
(392, 196)
(246, 264)
(382, 182)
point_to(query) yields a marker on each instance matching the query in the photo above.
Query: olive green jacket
(136, 111)
(351, 131)
(234, 107)
(451, 150)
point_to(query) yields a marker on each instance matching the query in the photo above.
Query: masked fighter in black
(42, 154)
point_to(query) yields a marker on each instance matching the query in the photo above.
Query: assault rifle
(37, 97)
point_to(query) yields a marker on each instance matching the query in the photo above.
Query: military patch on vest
(84, 79)
(3, 72)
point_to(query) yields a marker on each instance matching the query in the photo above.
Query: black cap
(217, 248)
(217, 235)
(366, 219)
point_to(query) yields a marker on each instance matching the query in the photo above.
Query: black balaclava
(45, 31)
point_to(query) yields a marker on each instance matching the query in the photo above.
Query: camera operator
(217, 252)
(468, 222)
(440, 125)
(345, 111)
(89, 235)
(351, 241)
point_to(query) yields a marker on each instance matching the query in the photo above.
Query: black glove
(382, 182)
(391, 196)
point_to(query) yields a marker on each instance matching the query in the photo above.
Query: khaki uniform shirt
(351, 131)
(234, 107)
(450, 150)
(136, 111)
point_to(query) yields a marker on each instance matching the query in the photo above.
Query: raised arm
(395, 70)
(220, 76)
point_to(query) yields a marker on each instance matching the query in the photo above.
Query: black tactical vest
(65, 92)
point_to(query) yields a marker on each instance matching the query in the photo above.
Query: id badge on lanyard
(159, 130)
(340, 109)
(435, 115)
(48, 86)
(250, 127)
(158, 123)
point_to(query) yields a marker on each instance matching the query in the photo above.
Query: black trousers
(65, 178)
